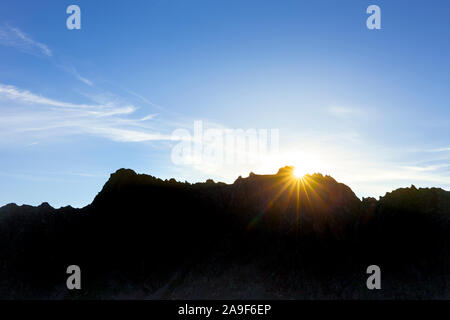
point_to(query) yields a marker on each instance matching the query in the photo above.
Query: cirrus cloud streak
(25, 114)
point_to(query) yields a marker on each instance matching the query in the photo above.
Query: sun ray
(290, 184)
(297, 211)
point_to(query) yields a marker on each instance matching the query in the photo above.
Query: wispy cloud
(18, 39)
(14, 37)
(25, 113)
(426, 168)
(142, 98)
(440, 149)
(74, 72)
(148, 117)
(14, 93)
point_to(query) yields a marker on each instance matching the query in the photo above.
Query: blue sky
(369, 107)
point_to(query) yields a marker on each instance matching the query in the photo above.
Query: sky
(143, 82)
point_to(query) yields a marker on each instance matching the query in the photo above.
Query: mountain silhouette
(264, 236)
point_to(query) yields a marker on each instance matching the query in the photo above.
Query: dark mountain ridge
(140, 233)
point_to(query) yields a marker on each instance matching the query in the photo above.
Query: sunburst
(298, 173)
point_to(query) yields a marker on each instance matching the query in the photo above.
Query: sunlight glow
(303, 162)
(298, 173)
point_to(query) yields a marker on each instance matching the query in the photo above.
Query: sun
(298, 173)
(304, 163)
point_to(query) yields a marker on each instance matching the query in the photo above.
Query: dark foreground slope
(265, 236)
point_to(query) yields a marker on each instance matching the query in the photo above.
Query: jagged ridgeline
(272, 236)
